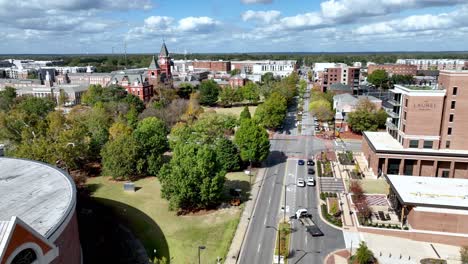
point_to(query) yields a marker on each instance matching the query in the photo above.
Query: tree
(193, 109)
(252, 141)
(151, 137)
(363, 254)
(268, 77)
(226, 96)
(464, 254)
(361, 121)
(185, 90)
(7, 98)
(378, 78)
(36, 106)
(310, 76)
(119, 129)
(321, 109)
(209, 91)
(170, 114)
(272, 112)
(193, 179)
(234, 72)
(62, 98)
(381, 118)
(245, 114)
(120, 157)
(250, 92)
(227, 154)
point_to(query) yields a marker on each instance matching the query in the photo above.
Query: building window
(445, 174)
(452, 106)
(427, 144)
(455, 90)
(25, 256)
(404, 115)
(451, 118)
(404, 128)
(449, 131)
(414, 143)
(447, 144)
(406, 102)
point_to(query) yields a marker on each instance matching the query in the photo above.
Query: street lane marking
(258, 249)
(264, 222)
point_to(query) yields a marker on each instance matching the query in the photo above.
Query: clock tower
(165, 64)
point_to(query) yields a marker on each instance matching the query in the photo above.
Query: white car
(301, 182)
(310, 181)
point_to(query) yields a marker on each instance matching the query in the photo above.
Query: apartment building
(435, 64)
(426, 131)
(327, 74)
(393, 69)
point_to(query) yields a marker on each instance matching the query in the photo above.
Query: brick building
(215, 66)
(326, 76)
(435, 64)
(37, 214)
(394, 69)
(426, 134)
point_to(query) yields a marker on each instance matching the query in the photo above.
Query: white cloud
(198, 24)
(266, 17)
(248, 2)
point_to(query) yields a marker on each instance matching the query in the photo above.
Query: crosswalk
(331, 184)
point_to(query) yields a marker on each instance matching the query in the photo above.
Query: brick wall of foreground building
(68, 244)
(391, 69)
(459, 125)
(421, 111)
(440, 222)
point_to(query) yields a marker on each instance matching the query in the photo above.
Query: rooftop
(419, 90)
(39, 194)
(384, 142)
(430, 191)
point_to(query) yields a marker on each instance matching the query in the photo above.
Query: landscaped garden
(147, 215)
(285, 235)
(231, 110)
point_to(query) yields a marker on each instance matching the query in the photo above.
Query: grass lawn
(285, 234)
(176, 237)
(232, 110)
(374, 186)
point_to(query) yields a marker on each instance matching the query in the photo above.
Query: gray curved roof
(39, 194)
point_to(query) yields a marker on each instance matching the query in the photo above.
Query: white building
(435, 64)
(281, 68)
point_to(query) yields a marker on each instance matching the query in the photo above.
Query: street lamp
(199, 249)
(279, 242)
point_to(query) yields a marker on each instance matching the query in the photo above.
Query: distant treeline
(110, 62)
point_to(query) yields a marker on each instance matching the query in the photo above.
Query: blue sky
(99, 26)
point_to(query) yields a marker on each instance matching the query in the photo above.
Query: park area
(177, 238)
(236, 110)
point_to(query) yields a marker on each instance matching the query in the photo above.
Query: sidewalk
(241, 231)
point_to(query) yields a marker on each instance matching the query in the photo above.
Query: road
(285, 151)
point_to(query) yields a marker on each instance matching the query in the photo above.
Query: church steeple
(154, 64)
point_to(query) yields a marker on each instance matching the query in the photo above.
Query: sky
(192, 26)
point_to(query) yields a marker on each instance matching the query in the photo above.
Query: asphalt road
(260, 240)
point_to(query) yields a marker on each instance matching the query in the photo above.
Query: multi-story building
(280, 68)
(435, 64)
(426, 132)
(214, 66)
(328, 74)
(393, 69)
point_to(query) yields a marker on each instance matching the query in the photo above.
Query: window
(25, 256)
(449, 131)
(452, 106)
(427, 144)
(404, 128)
(414, 143)
(404, 115)
(445, 174)
(451, 118)
(454, 91)
(447, 144)
(406, 102)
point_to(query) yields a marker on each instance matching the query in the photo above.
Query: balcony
(392, 114)
(394, 102)
(391, 126)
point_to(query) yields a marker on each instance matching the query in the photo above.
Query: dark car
(311, 171)
(300, 162)
(310, 163)
(288, 132)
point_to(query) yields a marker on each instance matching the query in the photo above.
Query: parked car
(301, 182)
(288, 132)
(310, 162)
(300, 162)
(310, 181)
(311, 171)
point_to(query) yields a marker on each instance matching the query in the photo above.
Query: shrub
(322, 196)
(406, 228)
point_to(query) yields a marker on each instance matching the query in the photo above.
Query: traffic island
(282, 243)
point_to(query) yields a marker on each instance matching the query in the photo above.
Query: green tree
(361, 121)
(272, 112)
(62, 98)
(250, 92)
(234, 72)
(227, 154)
(36, 106)
(119, 129)
(120, 158)
(151, 137)
(321, 109)
(185, 90)
(252, 141)
(245, 114)
(193, 179)
(310, 76)
(378, 78)
(209, 91)
(268, 77)
(226, 96)
(7, 98)
(363, 254)
(464, 254)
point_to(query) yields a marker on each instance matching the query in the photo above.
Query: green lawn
(232, 110)
(178, 237)
(373, 186)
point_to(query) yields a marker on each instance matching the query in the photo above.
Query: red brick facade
(391, 69)
(216, 66)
